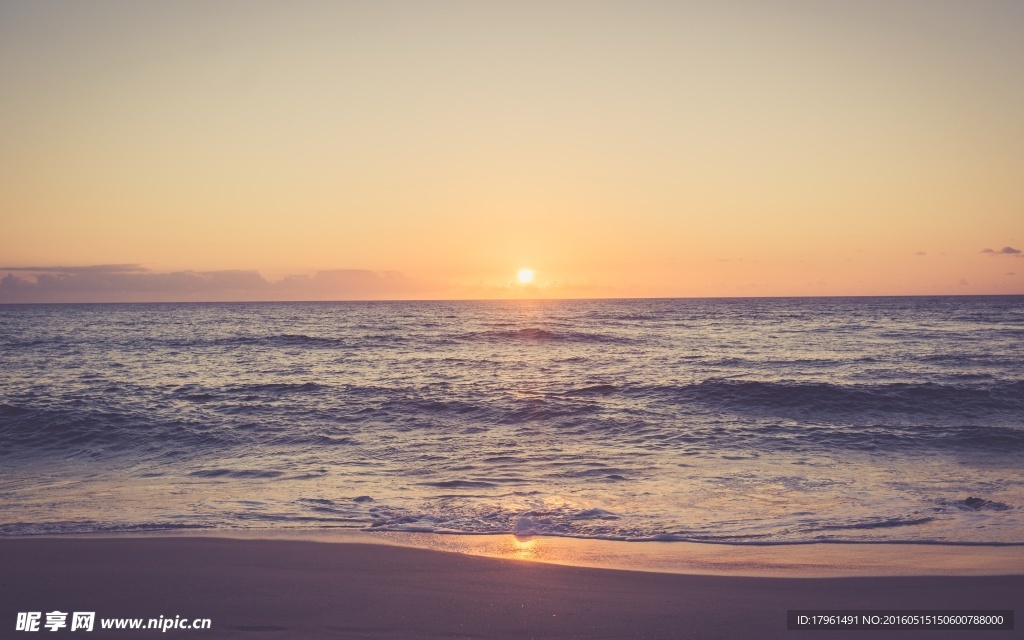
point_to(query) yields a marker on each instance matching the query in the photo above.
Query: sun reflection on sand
(796, 560)
(524, 548)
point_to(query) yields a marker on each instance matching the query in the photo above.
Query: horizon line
(618, 298)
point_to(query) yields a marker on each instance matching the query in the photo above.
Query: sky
(223, 150)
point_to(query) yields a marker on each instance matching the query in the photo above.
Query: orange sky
(320, 150)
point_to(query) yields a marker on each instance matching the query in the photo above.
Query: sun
(525, 276)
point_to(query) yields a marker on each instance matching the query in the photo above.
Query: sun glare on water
(526, 276)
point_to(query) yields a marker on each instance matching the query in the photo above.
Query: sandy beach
(302, 589)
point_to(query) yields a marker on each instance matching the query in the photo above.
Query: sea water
(717, 420)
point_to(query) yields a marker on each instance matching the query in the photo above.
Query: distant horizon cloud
(137, 282)
(95, 268)
(1005, 251)
(134, 283)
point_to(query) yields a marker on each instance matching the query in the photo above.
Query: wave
(460, 484)
(131, 342)
(354, 341)
(597, 523)
(35, 343)
(889, 438)
(533, 334)
(237, 473)
(92, 526)
(278, 388)
(313, 525)
(92, 432)
(726, 417)
(979, 504)
(787, 396)
(280, 340)
(593, 390)
(201, 393)
(886, 523)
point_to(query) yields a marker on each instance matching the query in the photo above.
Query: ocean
(753, 421)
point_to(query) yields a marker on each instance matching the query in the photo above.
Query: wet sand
(302, 589)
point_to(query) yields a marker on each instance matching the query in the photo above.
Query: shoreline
(251, 588)
(777, 560)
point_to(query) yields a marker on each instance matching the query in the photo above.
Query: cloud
(1005, 251)
(96, 268)
(920, 253)
(132, 283)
